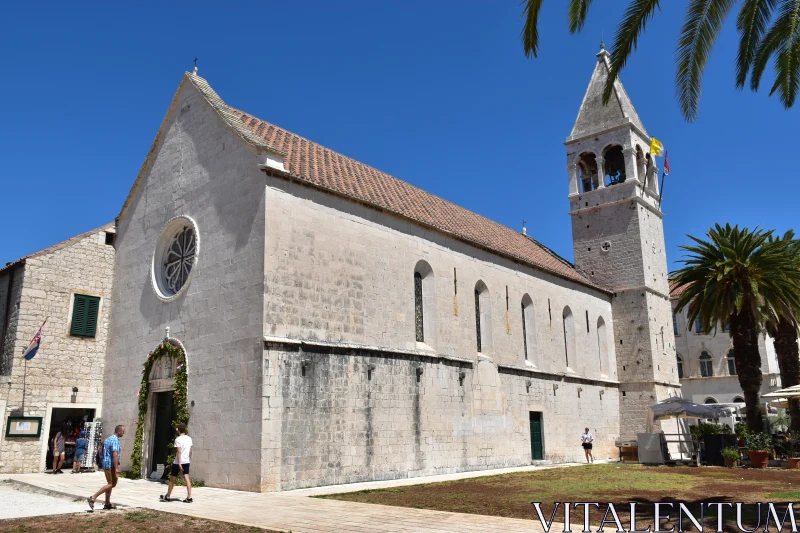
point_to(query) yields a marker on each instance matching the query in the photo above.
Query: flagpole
(661, 189)
(24, 383)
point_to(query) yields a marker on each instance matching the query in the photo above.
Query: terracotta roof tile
(312, 163)
(675, 290)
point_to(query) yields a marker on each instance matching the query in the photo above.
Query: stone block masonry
(348, 415)
(45, 287)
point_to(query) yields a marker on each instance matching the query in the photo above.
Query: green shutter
(84, 316)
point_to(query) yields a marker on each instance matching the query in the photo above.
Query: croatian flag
(33, 347)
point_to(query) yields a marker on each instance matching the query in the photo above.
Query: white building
(705, 361)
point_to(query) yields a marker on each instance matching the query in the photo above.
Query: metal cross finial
(195, 61)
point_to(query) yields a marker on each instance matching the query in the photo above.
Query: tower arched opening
(587, 172)
(614, 165)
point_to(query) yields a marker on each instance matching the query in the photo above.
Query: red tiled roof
(322, 167)
(675, 290)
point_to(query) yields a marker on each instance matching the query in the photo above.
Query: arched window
(710, 400)
(614, 165)
(680, 367)
(602, 344)
(424, 314)
(483, 317)
(738, 399)
(706, 365)
(641, 164)
(569, 336)
(419, 313)
(731, 363)
(587, 172)
(528, 330)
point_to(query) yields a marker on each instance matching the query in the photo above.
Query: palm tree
(746, 277)
(784, 333)
(759, 41)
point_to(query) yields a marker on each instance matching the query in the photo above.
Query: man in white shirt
(586, 442)
(183, 459)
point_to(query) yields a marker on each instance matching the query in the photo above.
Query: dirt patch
(511, 495)
(122, 521)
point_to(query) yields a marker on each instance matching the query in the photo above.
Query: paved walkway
(293, 510)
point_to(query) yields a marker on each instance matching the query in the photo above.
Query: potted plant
(758, 449)
(792, 453)
(731, 456)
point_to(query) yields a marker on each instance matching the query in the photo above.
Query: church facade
(341, 325)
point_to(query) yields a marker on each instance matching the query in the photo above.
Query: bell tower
(618, 240)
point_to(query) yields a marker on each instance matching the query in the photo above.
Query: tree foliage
(768, 29)
(747, 277)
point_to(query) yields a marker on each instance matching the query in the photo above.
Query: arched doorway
(162, 405)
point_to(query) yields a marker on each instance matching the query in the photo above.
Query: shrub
(759, 442)
(730, 453)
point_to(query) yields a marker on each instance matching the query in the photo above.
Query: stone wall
(349, 415)
(82, 265)
(343, 272)
(339, 275)
(10, 317)
(200, 169)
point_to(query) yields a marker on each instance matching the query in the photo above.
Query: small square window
(109, 238)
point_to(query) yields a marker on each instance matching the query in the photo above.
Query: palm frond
(633, 23)
(577, 12)
(783, 42)
(787, 60)
(530, 31)
(751, 23)
(701, 26)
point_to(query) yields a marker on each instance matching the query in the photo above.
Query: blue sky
(436, 93)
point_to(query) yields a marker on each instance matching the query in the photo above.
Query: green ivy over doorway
(165, 349)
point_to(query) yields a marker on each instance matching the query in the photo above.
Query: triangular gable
(219, 107)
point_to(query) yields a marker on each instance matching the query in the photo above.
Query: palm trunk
(748, 366)
(786, 351)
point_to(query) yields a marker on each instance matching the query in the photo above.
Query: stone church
(342, 325)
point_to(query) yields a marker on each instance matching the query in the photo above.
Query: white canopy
(788, 392)
(677, 407)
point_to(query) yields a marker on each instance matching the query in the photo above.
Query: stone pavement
(295, 510)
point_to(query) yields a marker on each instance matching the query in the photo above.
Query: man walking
(586, 442)
(80, 453)
(58, 453)
(183, 459)
(112, 449)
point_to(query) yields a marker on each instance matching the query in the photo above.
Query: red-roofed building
(343, 325)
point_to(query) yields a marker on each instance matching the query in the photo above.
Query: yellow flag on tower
(656, 148)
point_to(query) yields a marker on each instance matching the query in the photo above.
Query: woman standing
(586, 442)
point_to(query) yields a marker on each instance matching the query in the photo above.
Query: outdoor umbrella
(677, 407)
(788, 392)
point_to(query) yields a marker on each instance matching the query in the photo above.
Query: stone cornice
(558, 376)
(312, 345)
